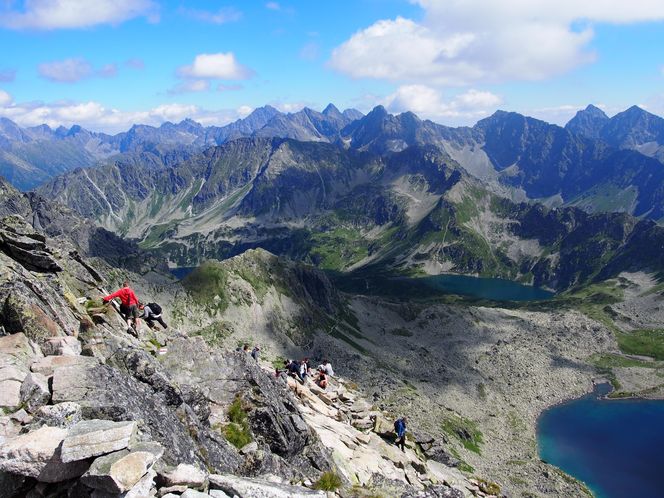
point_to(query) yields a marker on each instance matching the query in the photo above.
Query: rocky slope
(90, 410)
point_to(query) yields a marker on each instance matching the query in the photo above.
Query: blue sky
(106, 64)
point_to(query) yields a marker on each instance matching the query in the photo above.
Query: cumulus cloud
(69, 14)
(428, 103)
(222, 16)
(464, 42)
(73, 70)
(5, 98)
(97, 117)
(7, 75)
(221, 66)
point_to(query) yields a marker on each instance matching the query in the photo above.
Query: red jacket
(125, 294)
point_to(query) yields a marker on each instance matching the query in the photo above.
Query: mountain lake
(615, 446)
(480, 288)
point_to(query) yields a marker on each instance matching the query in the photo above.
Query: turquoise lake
(494, 289)
(615, 446)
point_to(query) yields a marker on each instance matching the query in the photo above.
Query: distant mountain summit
(588, 122)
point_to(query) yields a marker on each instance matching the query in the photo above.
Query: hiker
(128, 304)
(255, 352)
(151, 312)
(244, 349)
(400, 429)
(321, 380)
(327, 367)
(304, 370)
(293, 368)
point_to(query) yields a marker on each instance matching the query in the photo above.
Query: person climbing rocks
(151, 312)
(255, 352)
(321, 379)
(400, 429)
(128, 305)
(327, 367)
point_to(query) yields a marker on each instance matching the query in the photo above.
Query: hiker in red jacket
(128, 306)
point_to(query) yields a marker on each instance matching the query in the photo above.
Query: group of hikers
(302, 371)
(132, 310)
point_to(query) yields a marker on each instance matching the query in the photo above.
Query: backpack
(155, 308)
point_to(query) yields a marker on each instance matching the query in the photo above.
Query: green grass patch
(338, 248)
(609, 360)
(465, 430)
(237, 431)
(644, 342)
(329, 481)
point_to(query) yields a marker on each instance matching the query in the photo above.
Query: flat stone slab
(49, 364)
(120, 471)
(96, 437)
(184, 475)
(62, 346)
(257, 488)
(37, 454)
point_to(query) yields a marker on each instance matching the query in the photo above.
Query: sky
(107, 64)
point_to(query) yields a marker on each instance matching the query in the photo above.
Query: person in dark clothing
(400, 429)
(150, 316)
(293, 368)
(255, 352)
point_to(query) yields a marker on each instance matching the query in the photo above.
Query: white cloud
(222, 16)
(97, 117)
(66, 71)
(221, 66)
(273, 6)
(68, 14)
(5, 98)
(464, 42)
(428, 103)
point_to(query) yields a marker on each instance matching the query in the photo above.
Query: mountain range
(30, 156)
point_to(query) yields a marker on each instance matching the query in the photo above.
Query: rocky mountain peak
(588, 122)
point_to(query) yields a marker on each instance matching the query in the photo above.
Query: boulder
(183, 475)
(120, 471)
(217, 493)
(96, 437)
(192, 493)
(11, 379)
(438, 491)
(62, 346)
(258, 488)
(62, 415)
(37, 454)
(142, 489)
(49, 364)
(16, 349)
(34, 392)
(178, 490)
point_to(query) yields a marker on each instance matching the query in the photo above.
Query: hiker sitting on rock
(128, 305)
(151, 312)
(400, 429)
(321, 380)
(327, 367)
(293, 368)
(255, 353)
